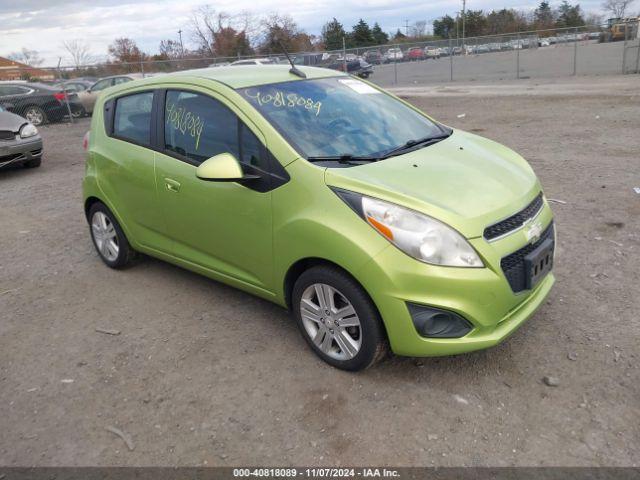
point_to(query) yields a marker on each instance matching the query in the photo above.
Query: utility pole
(406, 27)
(464, 5)
(181, 45)
(344, 55)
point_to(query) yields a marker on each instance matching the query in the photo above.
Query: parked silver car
(20, 142)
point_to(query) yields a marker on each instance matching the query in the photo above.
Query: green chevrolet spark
(375, 225)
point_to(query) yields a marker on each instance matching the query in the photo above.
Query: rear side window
(199, 127)
(13, 90)
(102, 84)
(132, 118)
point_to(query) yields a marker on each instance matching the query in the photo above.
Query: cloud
(43, 25)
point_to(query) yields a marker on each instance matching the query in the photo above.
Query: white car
(543, 42)
(432, 52)
(394, 55)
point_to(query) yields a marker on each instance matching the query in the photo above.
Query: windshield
(338, 116)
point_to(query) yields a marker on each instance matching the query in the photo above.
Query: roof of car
(241, 76)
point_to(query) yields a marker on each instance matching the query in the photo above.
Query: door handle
(172, 185)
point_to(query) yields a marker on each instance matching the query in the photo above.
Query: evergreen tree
(379, 37)
(543, 16)
(332, 35)
(399, 35)
(444, 27)
(361, 35)
(569, 15)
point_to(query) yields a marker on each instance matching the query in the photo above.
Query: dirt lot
(205, 374)
(557, 61)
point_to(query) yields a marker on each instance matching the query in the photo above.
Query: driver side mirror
(223, 167)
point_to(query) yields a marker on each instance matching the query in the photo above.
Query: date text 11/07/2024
(316, 472)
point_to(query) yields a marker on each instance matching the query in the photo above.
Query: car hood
(11, 121)
(466, 181)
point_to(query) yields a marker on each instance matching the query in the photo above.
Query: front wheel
(78, 111)
(338, 319)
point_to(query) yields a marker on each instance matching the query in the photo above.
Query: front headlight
(422, 237)
(28, 130)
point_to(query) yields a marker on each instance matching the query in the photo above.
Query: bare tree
(205, 23)
(28, 57)
(419, 29)
(79, 51)
(617, 8)
(220, 33)
(594, 19)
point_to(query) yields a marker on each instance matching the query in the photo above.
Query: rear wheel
(35, 115)
(108, 238)
(338, 319)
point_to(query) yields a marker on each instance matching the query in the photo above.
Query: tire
(78, 112)
(352, 340)
(35, 115)
(34, 163)
(108, 238)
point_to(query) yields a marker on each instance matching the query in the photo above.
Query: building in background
(12, 70)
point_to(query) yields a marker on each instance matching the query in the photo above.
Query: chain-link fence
(631, 51)
(586, 50)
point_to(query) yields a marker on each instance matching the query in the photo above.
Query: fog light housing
(435, 323)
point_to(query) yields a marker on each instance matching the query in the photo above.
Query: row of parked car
(41, 103)
(354, 64)
(396, 54)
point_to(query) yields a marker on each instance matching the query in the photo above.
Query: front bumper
(480, 295)
(20, 151)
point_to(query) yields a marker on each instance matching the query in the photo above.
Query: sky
(43, 25)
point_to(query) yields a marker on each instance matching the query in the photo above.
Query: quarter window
(199, 127)
(132, 118)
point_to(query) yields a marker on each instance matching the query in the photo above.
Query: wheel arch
(304, 264)
(90, 202)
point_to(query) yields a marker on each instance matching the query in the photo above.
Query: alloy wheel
(105, 236)
(331, 321)
(35, 116)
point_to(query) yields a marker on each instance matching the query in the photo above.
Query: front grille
(513, 265)
(7, 135)
(514, 221)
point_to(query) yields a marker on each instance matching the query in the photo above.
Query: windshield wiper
(411, 144)
(347, 158)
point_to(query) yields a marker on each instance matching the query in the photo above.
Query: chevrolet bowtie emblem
(533, 232)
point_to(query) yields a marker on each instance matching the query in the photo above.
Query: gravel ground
(205, 374)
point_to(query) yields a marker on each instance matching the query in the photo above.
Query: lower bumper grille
(513, 265)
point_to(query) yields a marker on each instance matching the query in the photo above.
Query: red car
(415, 53)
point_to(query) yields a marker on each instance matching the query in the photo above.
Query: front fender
(311, 221)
